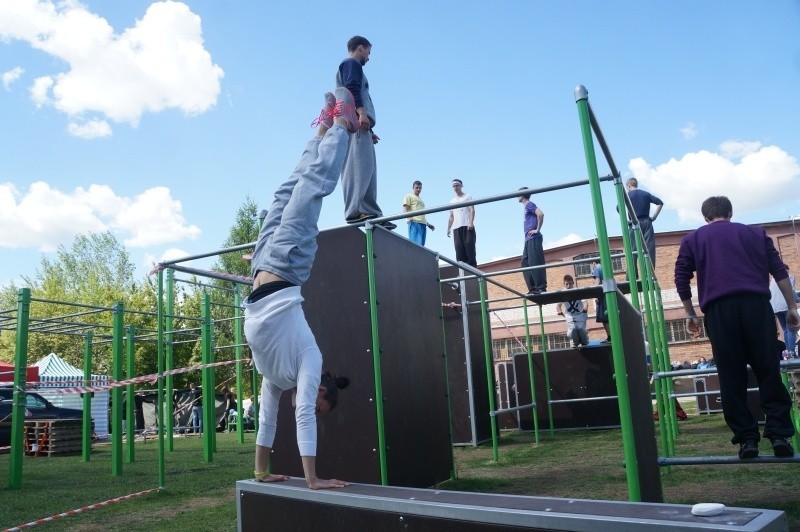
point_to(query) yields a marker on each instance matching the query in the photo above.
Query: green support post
(86, 447)
(168, 323)
(655, 354)
(20, 375)
(160, 414)
(238, 353)
(609, 289)
(793, 412)
(116, 392)
(546, 364)
(130, 402)
(487, 350)
(208, 390)
(626, 241)
(376, 354)
(661, 338)
(529, 352)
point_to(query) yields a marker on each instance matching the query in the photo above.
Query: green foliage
(244, 231)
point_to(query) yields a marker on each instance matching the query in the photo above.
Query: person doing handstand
(284, 349)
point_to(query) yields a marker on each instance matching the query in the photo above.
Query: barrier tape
(144, 378)
(79, 510)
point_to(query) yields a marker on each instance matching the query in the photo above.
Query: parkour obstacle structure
(399, 374)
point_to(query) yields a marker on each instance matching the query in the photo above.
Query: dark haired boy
(733, 264)
(360, 176)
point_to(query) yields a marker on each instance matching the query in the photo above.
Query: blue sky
(155, 120)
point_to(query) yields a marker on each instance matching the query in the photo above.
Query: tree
(244, 231)
(94, 272)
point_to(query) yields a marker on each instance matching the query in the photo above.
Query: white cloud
(752, 176)
(159, 63)
(571, 238)
(689, 131)
(45, 217)
(92, 129)
(150, 260)
(153, 217)
(10, 76)
(734, 149)
(40, 89)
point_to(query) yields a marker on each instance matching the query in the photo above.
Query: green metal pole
(376, 355)
(168, 324)
(238, 353)
(208, 390)
(20, 376)
(130, 403)
(655, 352)
(487, 349)
(116, 392)
(164, 418)
(86, 447)
(529, 351)
(626, 242)
(609, 289)
(546, 367)
(793, 411)
(546, 363)
(661, 339)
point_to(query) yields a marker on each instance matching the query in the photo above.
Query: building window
(584, 269)
(506, 348)
(676, 331)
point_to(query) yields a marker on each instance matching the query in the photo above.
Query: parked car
(36, 407)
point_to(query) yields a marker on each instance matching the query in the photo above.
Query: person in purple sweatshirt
(733, 264)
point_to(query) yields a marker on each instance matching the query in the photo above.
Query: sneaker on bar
(363, 217)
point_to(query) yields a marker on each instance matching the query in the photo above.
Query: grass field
(200, 496)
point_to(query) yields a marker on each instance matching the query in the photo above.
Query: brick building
(507, 317)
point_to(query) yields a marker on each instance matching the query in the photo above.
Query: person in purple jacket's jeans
(733, 264)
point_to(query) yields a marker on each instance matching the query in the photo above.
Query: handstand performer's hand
(272, 478)
(321, 484)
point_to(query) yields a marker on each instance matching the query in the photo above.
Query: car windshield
(33, 402)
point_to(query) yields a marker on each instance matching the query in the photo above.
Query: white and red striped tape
(144, 378)
(79, 510)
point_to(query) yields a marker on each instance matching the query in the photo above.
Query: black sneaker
(782, 448)
(748, 449)
(363, 217)
(388, 225)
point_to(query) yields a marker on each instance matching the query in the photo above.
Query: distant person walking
(196, 397)
(533, 253)
(360, 175)
(733, 262)
(462, 224)
(417, 225)
(641, 201)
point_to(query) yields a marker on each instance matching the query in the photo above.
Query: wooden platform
(53, 437)
(292, 506)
